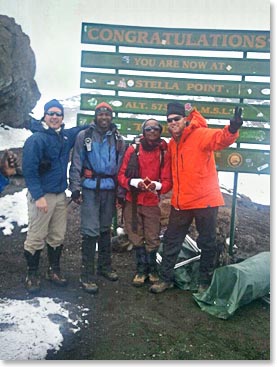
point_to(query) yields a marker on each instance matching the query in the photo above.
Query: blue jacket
(45, 159)
(3, 182)
(104, 159)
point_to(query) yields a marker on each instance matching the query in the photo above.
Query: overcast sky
(54, 27)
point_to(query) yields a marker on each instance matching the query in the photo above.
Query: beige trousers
(148, 226)
(47, 227)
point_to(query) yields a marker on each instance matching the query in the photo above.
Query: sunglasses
(150, 128)
(58, 114)
(176, 118)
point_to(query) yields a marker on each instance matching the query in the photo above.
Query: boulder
(18, 90)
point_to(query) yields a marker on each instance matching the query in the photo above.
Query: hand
(41, 204)
(76, 197)
(151, 186)
(236, 121)
(9, 163)
(141, 186)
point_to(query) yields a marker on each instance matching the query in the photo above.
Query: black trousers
(178, 227)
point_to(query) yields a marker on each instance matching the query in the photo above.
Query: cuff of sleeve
(135, 181)
(158, 185)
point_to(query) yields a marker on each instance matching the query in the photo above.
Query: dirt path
(126, 323)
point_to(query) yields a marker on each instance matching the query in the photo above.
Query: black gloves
(236, 121)
(132, 170)
(75, 196)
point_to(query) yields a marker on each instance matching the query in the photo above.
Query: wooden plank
(229, 160)
(214, 110)
(243, 160)
(132, 126)
(175, 86)
(181, 64)
(176, 38)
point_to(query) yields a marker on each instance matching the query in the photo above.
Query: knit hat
(53, 103)
(103, 107)
(175, 108)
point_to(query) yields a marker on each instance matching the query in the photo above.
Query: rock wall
(18, 90)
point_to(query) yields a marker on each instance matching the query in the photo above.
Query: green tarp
(186, 273)
(236, 285)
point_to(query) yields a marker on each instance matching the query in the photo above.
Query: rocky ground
(127, 323)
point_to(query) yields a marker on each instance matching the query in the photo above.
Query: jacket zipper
(61, 139)
(177, 154)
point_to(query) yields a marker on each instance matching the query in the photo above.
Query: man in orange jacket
(196, 193)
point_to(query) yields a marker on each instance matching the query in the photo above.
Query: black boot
(105, 257)
(152, 264)
(32, 282)
(54, 271)
(87, 278)
(142, 267)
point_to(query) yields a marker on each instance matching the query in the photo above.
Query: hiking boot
(56, 277)
(88, 284)
(54, 273)
(32, 282)
(108, 274)
(153, 278)
(139, 280)
(161, 286)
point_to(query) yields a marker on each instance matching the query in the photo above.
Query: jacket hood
(37, 126)
(195, 121)
(112, 129)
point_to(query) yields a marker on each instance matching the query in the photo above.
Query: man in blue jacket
(96, 159)
(44, 164)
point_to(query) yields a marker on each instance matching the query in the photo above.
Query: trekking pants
(178, 227)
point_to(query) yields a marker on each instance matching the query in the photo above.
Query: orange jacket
(195, 179)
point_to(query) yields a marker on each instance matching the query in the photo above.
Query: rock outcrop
(18, 90)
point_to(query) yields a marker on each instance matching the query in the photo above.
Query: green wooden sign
(129, 126)
(211, 88)
(181, 64)
(243, 160)
(233, 160)
(215, 110)
(176, 38)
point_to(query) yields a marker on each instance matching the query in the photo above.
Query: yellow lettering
(214, 66)
(142, 37)
(155, 38)
(203, 40)
(261, 42)
(130, 104)
(235, 40)
(130, 36)
(169, 63)
(208, 88)
(137, 126)
(93, 33)
(248, 42)
(106, 35)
